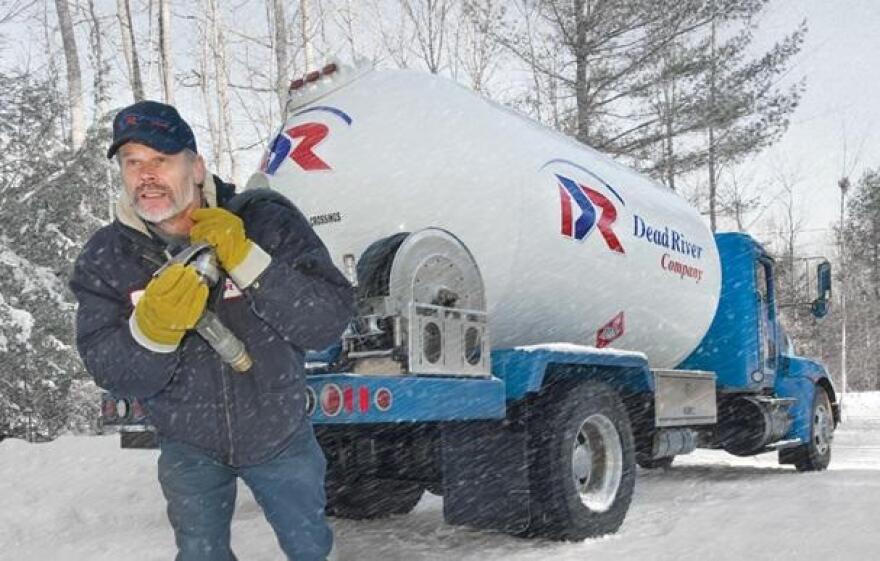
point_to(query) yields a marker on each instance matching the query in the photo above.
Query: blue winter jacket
(299, 301)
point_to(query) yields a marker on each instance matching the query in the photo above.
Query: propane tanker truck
(534, 319)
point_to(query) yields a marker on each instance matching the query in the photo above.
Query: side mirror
(819, 308)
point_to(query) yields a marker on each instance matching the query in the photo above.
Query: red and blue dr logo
(583, 210)
(312, 134)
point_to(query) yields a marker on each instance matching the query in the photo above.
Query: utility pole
(844, 187)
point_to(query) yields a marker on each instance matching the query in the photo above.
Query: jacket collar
(126, 215)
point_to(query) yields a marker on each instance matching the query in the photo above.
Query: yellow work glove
(224, 231)
(172, 303)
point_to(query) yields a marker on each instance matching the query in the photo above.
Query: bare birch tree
(280, 46)
(737, 200)
(129, 49)
(51, 64)
(217, 44)
(100, 67)
(166, 65)
(308, 49)
(792, 223)
(346, 21)
(480, 24)
(429, 19)
(204, 83)
(392, 34)
(74, 75)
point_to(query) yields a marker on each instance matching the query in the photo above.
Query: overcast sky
(841, 62)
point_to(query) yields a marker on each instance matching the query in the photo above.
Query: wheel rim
(597, 462)
(823, 429)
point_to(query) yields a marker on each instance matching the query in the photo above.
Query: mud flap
(486, 475)
(142, 439)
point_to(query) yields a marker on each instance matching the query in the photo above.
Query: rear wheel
(369, 497)
(583, 462)
(816, 454)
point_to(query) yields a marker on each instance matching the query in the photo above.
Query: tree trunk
(123, 13)
(670, 155)
(74, 75)
(52, 68)
(101, 70)
(713, 188)
(428, 18)
(581, 93)
(166, 67)
(306, 37)
(204, 85)
(282, 80)
(348, 19)
(537, 100)
(221, 83)
(668, 145)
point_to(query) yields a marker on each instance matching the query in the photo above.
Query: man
(135, 334)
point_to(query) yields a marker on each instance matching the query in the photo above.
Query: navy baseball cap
(153, 124)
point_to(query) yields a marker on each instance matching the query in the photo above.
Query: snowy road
(710, 506)
(81, 498)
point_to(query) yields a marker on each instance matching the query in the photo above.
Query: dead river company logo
(677, 244)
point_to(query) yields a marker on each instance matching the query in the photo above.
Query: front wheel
(816, 454)
(583, 462)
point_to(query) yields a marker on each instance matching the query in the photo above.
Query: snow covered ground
(82, 498)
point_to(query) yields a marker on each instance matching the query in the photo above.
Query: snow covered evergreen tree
(53, 199)
(862, 277)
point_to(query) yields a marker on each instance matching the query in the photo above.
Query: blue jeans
(200, 492)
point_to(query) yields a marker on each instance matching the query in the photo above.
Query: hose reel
(422, 304)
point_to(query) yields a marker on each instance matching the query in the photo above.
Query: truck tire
(369, 497)
(657, 463)
(582, 462)
(815, 455)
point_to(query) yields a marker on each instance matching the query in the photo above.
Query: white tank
(573, 247)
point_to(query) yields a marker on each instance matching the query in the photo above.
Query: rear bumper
(413, 399)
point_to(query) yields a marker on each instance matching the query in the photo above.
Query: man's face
(160, 186)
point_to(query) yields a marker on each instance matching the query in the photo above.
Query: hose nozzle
(230, 348)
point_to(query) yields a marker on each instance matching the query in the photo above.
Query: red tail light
(108, 408)
(383, 399)
(348, 399)
(331, 400)
(363, 399)
(137, 410)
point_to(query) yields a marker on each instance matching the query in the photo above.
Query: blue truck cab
(748, 350)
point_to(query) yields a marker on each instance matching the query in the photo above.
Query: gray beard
(175, 209)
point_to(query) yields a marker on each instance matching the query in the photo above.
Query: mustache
(151, 187)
